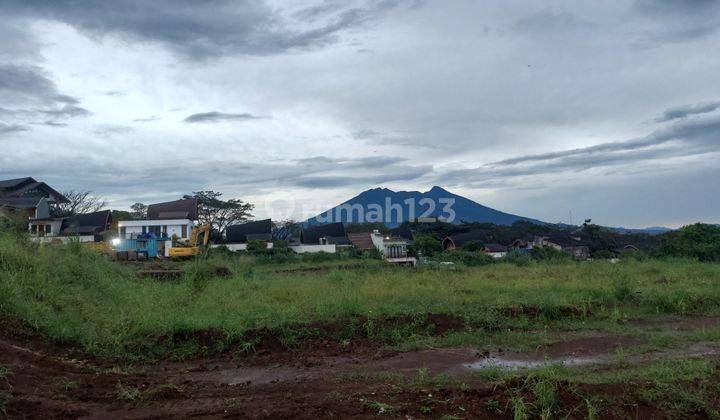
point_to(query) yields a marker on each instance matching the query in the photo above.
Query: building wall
(133, 228)
(55, 226)
(301, 249)
(63, 239)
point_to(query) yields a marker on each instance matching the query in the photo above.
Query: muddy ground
(322, 380)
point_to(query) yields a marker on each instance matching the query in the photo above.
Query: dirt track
(324, 380)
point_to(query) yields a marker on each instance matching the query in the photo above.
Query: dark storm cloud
(686, 110)
(207, 28)
(215, 116)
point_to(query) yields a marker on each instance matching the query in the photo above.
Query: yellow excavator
(193, 246)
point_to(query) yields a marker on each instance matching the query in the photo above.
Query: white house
(165, 220)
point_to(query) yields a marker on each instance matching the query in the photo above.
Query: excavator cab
(199, 238)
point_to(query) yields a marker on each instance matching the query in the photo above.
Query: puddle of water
(514, 364)
(509, 363)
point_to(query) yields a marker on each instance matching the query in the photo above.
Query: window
(184, 231)
(33, 229)
(156, 230)
(48, 229)
(123, 231)
(164, 230)
(144, 229)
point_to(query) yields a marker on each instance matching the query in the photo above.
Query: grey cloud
(686, 110)
(676, 6)
(690, 138)
(367, 180)
(54, 124)
(251, 177)
(147, 119)
(110, 129)
(215, 116)
(205, 29)
(115, 93)
(67, 111)
(11, 128)
(27, 93)
(548, 21)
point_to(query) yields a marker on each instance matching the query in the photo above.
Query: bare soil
(321, 379)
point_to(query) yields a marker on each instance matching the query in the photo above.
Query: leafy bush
(256, 247)
(467, 258)
(428, 245)
(549, 254)
(603, 254)
(698, 241)
(472, 246)
(518, 258)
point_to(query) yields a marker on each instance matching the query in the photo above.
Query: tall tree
(219, 213)
(139, 211)
(79, 202)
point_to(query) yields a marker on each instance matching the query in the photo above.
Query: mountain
(395, 207)
(654, 230)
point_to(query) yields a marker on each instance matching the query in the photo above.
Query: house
(362, 241)
(87, 227)
(495, 250)
(402, 231)
(565, 242)
(237, 236)
(164, 220)
(249, 231)
(392, 248)
(457, 241)
(332, 233)
(22, 195)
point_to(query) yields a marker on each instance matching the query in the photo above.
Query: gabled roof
(14, 183)
(361, 240)
(460, 239)
(313, 234)
(89, 223)
(186, 208)
(255, 230)
(20, 202)
(402, 231)
(19, 186)
(495, 248)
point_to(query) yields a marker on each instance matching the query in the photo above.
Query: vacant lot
(244, 336)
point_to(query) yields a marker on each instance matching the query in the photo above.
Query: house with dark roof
(22, 195)
(362, 241)
(257, 230)
(89, 225)
(457, 241)
(332, 233)
(164, 220)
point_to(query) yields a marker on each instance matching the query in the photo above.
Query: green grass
(76, 296)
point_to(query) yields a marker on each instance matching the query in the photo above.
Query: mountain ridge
(394, 207)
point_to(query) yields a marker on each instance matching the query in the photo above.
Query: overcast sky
(608, 110)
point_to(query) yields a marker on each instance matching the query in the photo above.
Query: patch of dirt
(49, 380)
(317, 269)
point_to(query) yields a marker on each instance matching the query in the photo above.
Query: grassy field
(73, 295)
